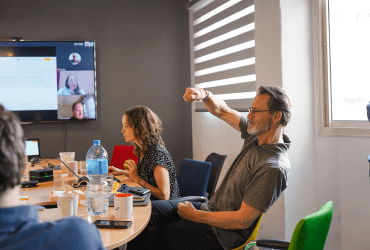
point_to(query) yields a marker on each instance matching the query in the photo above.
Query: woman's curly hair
(147, 128)
(12, 150)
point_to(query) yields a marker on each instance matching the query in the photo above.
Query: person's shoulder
(80, 232)
(64, 91)
(75, 222)
(60, 91)
(159, 147)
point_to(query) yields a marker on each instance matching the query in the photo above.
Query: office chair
(193, 177)
(253, 235)
(121, 153)
(310, 233)
(217, 162)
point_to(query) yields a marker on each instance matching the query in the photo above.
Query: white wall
(323, 168)
(330, 168)
(297, 64)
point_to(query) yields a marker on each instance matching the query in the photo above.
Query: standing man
(254, 181)
(19, 225)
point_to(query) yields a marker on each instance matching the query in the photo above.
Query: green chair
(309, 234)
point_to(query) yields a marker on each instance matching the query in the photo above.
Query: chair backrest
(121, 153)
(311, 231)
(193, 177)
(217, 162)
(253, 235)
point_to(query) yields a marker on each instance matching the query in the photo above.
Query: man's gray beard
(255, 131)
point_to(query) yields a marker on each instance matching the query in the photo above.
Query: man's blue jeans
(166, 230)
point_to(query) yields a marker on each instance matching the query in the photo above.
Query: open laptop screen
(32, 148)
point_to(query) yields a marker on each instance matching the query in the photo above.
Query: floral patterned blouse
(158, 155)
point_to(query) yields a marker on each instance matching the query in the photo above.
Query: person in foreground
(254, 181)
(19, 224)
(155, 169)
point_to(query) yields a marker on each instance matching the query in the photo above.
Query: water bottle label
(97, 166)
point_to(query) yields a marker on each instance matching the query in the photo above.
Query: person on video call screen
(75, 58)
(78, 111)
(71, 87)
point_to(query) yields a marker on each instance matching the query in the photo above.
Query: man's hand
(192, 94)
(187, 211)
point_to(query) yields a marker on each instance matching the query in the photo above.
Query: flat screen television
(41, 81)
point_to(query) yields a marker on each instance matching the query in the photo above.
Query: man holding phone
(19, 225)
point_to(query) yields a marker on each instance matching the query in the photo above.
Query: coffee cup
(123, 206)
(67, 204)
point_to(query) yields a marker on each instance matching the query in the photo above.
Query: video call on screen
(45, 78)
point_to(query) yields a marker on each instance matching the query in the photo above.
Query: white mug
(67, 204)
(73, 166)
(123, 206)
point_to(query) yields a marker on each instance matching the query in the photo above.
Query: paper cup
(67, 204)
(72, 165)
(123, 206)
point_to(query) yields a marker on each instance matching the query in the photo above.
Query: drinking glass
(82, 167)
(110, 182)
(66, 157)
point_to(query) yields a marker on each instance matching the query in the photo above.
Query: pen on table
(23, 198)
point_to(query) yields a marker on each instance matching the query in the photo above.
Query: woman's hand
(131, 169)
(115, 171)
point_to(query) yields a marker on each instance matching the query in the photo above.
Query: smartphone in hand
(113, 224)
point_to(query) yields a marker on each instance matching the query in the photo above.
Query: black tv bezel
(95, 83)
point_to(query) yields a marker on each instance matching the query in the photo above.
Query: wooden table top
(112, 238)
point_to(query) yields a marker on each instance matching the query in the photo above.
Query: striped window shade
(222, 46)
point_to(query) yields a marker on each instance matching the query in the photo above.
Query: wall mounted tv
(41, 80)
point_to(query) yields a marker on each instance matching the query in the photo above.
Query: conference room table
(111, 238)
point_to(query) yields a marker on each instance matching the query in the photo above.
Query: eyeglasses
(256, 111)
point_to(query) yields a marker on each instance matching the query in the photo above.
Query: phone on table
(112, 224)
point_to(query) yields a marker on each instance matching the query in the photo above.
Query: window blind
(223, 50)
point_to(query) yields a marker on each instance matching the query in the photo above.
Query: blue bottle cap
(97, 142)
(368, 158)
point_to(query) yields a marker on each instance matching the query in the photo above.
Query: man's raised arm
(214, 105)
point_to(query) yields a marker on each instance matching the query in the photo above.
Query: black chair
(217, 162)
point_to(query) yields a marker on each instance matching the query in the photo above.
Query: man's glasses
(253, 112)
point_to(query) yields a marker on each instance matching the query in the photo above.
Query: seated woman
(155, 169)
(71, 87)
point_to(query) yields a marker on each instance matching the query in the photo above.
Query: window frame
(322, 76)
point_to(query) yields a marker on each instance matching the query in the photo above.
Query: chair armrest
(275, 244)
(191, 198)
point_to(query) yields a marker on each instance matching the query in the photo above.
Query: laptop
(33, 149)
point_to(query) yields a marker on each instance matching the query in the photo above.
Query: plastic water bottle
(97, 189)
